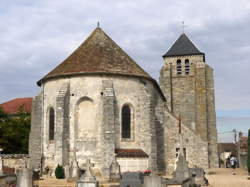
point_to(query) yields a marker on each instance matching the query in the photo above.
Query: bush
(248, 152)
(59, 172)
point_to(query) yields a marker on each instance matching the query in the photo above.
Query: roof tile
(98, 54)
(13, 106)
(183, 46)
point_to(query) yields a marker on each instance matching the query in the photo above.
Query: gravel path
(224, 177)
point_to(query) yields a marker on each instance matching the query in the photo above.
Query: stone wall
(201, 101)
(108, 126)
(160, 135)
(35, 139)
(16, 161)
(108, 94)
(196, 148)
(211, 119)
(62, 126)
(191, 96)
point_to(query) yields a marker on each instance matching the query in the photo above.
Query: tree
(59, 172)
(248, 152)
(14, 132)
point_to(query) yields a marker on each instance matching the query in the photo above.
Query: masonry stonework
(87, 93)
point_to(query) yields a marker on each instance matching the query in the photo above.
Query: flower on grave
(147, 171)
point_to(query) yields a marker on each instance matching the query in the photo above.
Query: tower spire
(98, 24)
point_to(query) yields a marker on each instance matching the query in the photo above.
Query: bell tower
(188, 85)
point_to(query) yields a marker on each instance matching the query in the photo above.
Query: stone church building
(99, 104)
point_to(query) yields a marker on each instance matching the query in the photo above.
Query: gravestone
(152, 181)
(182, 170)
(67, 171)
(24, 178)
(74, 170)
(133, 179)
(87, 179)
(182, 176)
(115, 171)
(199, 176)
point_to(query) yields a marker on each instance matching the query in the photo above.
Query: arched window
(51, 124)
(178, 66)
(187, 66)
(126, 122)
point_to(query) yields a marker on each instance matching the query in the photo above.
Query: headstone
(87, 179)
(199, 176)
(24, 178)
(66, 171)
(182, 170)
(182, 176)
(152, 181)
(115, 171)
(74, 170)
(133, 179)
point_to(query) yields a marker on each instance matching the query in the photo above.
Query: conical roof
(99, 54)
(183, 46)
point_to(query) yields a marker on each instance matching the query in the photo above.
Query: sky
(35, 36)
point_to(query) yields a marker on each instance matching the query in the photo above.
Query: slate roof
(131, 153)
(98, 54)
(183, 46)
(13, 106)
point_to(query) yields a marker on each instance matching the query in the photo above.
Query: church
(99, 104)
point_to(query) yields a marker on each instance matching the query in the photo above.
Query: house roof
(183, 46)
(131, 153)
(13, 106)
(227, 147)
(98, 54)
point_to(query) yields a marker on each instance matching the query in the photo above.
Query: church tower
(187, 83)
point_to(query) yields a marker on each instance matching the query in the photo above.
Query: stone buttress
(62, 125)
(108, 133)
(35, 139)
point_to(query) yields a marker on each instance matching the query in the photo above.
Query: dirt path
(223, 177)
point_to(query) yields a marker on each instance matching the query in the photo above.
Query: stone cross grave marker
(87, 179)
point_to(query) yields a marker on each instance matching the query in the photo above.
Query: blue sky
(37, 35)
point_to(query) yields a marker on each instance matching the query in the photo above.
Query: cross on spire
(183, 26)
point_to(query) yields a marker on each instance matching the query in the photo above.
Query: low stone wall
(15, 161)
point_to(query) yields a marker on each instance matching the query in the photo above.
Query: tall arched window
(187, 66)
(51, 124)
(126, 121)
(178, 66)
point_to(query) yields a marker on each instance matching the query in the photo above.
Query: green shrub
(59, 172)
(248, 152)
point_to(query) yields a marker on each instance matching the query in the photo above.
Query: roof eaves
(41, 81)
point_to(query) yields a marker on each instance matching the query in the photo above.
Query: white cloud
(35, 36)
